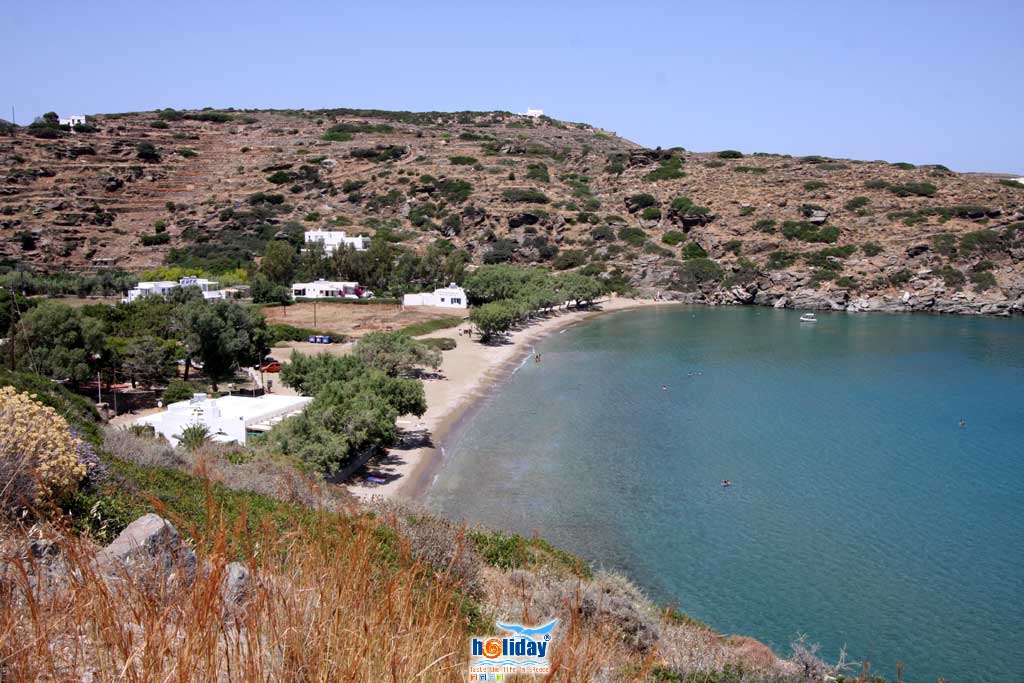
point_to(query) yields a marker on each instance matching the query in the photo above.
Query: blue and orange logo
(525, 651)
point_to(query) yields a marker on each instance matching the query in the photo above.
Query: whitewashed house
(329, 289)
(228, 418)
(72, 120)
(333, 239)
(451, 296)
(533, 113)
(162, 287)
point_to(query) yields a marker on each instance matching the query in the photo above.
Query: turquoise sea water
(860, 512)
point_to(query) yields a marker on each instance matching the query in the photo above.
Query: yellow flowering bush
(38, 458)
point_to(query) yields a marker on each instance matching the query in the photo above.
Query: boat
(726, 483)
(808, 318)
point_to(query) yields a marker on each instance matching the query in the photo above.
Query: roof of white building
(325, 283)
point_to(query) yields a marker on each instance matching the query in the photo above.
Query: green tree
(148, 360)
(222, 334)
(57, 341)
(395, 353)
(279, 263)
(496, 317)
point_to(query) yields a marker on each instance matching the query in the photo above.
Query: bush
(777, 260)
(670, 169)
(808, 232)
(571, 258)
(602, 233)
(856, 203)
(915, 189)
(1011, 183)
(904, 165)
(180, 390)
(812, 185)
(500, 251)
(951, 277)
(160, 125)
(633, 236)
(525, 195)
(755, 170)
(155, 240)
(693, 250)
(696, 272)
(640, 201)
(901, 277)
(455, 190)
(684, 206)
(281, 177)
(945, 244)
(463, 161)
(39, 464)
(336, 137)
(147, 152)
(187, 153)
(876, 184)
(982, 280)
(673, 237)
(651, 213)
(730, 154)
(871, 248)
(539, 172)
(734, 247)
(439, 343)
(765, 225)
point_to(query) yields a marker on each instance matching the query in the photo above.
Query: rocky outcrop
(149, 544)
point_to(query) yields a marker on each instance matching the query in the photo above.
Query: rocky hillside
(211, 188)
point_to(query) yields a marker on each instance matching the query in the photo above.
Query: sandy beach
(466, 373)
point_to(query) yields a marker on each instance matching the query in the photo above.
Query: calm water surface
(860, 512)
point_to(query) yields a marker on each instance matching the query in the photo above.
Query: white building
(451, 296)
(228, 418)
(329, 289)
(72, 120)
(533, 113)
(162, 287)
(333, 239)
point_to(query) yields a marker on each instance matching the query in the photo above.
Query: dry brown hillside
(777, 230)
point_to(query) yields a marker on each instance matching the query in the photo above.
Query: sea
(875, 461)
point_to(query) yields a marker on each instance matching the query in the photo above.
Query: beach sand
(466, 372)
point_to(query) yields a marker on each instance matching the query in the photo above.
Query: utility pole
(314, 314)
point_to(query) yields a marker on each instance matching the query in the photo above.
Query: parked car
(270, 365)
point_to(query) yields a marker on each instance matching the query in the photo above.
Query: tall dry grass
(339, 599)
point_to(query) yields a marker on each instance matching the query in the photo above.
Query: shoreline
(469, 372)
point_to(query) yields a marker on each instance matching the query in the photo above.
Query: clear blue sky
(926, 82)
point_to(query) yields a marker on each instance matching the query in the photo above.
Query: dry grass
(355, 320)
(337, 600)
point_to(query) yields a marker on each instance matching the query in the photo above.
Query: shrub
(463, 161)
(602, 233)
(500, 251)
(981, 241)
(812, 185)
(38, 454)
(525, 195)
(651, 213)
(871, 248)
(1011, 183)
(916, 189)
(747, 211)
(945, 243)
(633, 236)
(846, 282)
(539, 172)
(951, 277)
(336, 136)
(147, 152)
(982, 280)
(876, 184)
(180, 390)
(670, 169)
(160, 226)
(684, 206)
(187, 153)
(640, 201)
(765, 225)
(755, 170)
(155, 240)
(281, 177)
(733, 247)
(693, 250)
(808, 232)
(730, 154)
(780, 259)
(833, 166)
(673, 237)
(856, 203)
(571, 258)
(813, 159)
(904, 165)
(696, 272)
(160, 125)
(901, 277)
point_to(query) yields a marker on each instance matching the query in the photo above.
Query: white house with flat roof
(533, 113)
(329, 289)
(72, 120)
(228, 418)
(162, 287)
(333, 239)
(451, 296)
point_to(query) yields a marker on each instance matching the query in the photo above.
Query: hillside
(804, 232)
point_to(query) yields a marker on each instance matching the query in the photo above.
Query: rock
(917, 250)
(149, 540)
(523, 218)
(237, 584)
(818, 216)
(742, 295)
(780, 302)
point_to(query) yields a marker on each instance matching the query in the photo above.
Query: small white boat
(808, 318)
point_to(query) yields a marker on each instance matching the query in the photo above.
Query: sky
(925, 82)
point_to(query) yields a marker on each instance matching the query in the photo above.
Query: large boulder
(147, 544)
(237, 584)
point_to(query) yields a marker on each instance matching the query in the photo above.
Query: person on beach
(536, 359)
